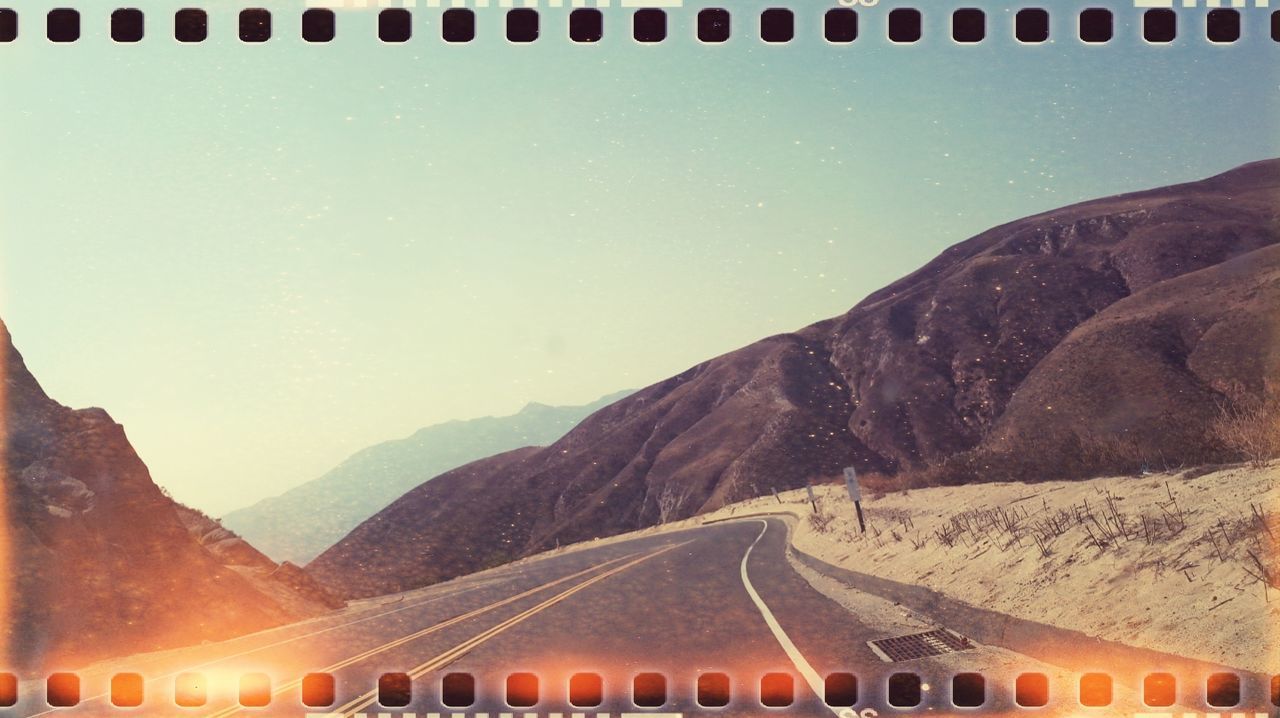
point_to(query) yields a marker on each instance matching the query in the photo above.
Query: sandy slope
(1174, 591)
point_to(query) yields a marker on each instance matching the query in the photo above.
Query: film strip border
(458, 691)
(1159, 24)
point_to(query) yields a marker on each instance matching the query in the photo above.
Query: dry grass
(1248, 540)
(821, 521)
(1249, 427)
(1183, 562)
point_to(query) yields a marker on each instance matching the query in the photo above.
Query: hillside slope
(1154, 368)
(286, 528)
(916, 375)
(102, 561)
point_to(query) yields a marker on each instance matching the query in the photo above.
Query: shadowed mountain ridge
(952, 366)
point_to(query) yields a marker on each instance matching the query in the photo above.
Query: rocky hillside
(286, 526)
(101, 561)
(285, 582)
(1116, 322)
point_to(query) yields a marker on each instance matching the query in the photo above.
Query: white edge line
(797, 659)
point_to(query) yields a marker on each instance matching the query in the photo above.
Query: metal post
(855, 493)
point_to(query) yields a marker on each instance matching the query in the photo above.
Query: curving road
(720, 598)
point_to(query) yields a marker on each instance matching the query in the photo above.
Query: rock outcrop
(102, 562)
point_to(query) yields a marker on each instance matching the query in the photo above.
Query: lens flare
(190, 690)
(5, 573)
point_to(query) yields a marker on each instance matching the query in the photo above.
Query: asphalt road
(718, 598)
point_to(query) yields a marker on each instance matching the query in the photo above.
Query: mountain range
(1021, 353)
(303, 521)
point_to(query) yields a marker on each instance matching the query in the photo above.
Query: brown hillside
(1153, 367)
(920, 372)
(102, 561)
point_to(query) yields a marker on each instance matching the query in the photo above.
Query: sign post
(855, 493)
(775, 494)
(812, 501)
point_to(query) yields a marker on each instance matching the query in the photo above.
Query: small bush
(1249, 427)
(821, 521)
(877, 484)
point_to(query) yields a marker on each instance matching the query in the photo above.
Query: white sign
(851, 483)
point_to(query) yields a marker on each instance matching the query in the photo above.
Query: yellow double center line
(454, 592)
(461, 649)
(389, 645)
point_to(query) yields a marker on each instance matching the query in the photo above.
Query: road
(717, 598)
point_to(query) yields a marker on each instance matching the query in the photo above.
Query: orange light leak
(777, 690)
(649, 690)
(127, 690)
(190, 690)
(714, 690)
(255, 690)
(586, 690)
(8, 689)
(318, 690)
(62, 690)
(588, 680)
(522, 690)
(5, 572)
(226, 688)
(1031, 690)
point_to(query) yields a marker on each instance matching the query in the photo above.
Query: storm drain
(919, 645)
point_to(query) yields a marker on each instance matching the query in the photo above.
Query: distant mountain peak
(284, 527)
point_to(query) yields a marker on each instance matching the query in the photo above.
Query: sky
(260, 259)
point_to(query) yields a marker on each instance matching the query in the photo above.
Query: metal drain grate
(919, 645)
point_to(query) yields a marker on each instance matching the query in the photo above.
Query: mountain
(1082, 339)
(286, 526)
(100, 562)
(1153, 368)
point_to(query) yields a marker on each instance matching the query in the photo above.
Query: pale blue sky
(262, 258)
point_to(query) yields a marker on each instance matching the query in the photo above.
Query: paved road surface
(718, 598)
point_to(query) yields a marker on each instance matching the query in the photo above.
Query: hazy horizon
(264, 272)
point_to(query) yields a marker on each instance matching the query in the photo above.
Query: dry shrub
(1204, 470)
(876, 485)
(1249, 427)
(821, 521)
(1111, 453)
(1074, 455)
